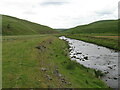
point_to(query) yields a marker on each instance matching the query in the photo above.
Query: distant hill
(104, 26)
(60, 30)
(15, 26)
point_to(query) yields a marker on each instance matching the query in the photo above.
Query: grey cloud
(29, 13)
(119, 10)
(104, 12)
(53, 3)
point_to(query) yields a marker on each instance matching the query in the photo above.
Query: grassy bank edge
(105, 42)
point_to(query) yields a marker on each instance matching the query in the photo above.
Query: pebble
(49, 78)
(109, 67)
(106, 72)
(60, 75)
(43, 69)
(86, 58)
(115, 78)
(69, 83)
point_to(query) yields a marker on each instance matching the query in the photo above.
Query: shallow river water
(96, 57)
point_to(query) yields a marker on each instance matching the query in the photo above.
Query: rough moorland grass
(106, 42)
(104, 26)
(22, 63)
(15, 26)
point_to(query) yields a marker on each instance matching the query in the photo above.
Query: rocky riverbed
(96, 57)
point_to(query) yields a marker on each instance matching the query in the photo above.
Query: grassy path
(42, 62)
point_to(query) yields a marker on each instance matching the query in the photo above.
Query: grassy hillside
(41, 61)
(15, 26)
(105, 26)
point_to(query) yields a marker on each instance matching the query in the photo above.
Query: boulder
(78, 53)
(115, 78)
(86, 57)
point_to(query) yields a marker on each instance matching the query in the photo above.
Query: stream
(96, 57)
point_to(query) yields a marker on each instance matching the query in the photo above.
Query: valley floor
(41, 61)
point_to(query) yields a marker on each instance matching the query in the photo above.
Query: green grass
(22, 63)
(89, 33)
(104, 26)
(112, 43)
(15, 26)
(25, 54)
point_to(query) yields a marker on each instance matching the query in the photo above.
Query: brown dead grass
(109, 37)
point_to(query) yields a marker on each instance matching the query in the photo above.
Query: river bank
(108, 41)
(96, 57)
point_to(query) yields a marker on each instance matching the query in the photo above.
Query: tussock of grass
(70, 66)
(99, 73)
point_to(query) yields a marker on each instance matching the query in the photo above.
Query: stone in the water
(77, 58)
(73, 57)
(106, 72)
(86, 58)
(109, 67)
(78, 53)
(115, 78)
(97, 57)
(114, 65)
(83, 60)
(109, 78)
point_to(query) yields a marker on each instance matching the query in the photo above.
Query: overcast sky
(61, 13)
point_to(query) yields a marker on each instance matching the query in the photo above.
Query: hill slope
(15, 26)
(104, 26)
